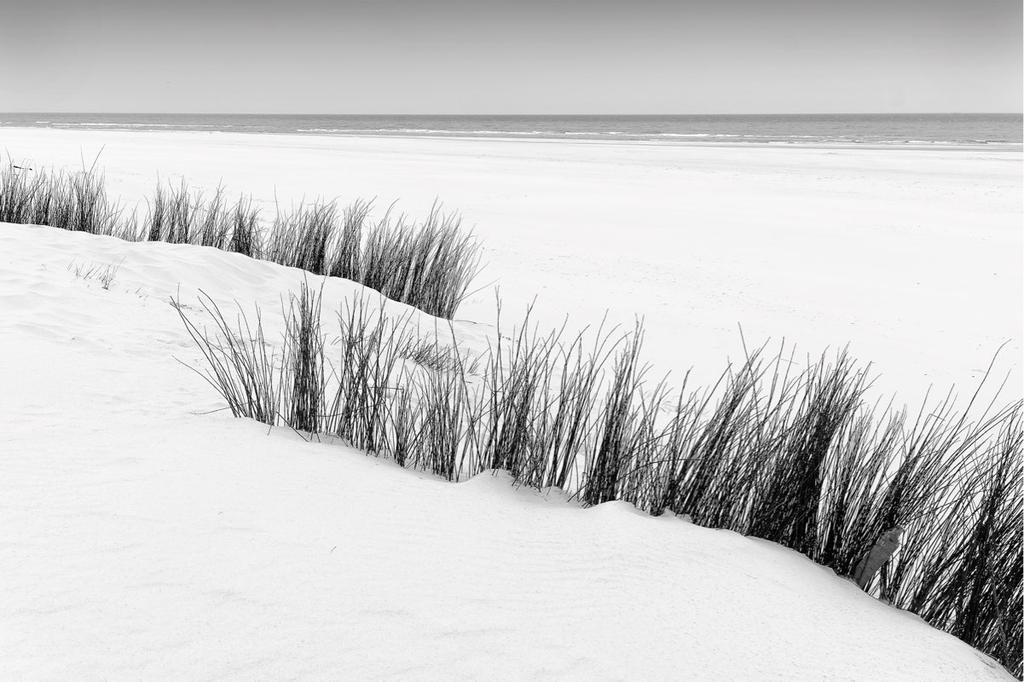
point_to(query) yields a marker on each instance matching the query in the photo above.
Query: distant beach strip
(817, 129)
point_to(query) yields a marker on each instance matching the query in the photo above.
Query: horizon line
(768, 113)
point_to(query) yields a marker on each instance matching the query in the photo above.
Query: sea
(792, 129)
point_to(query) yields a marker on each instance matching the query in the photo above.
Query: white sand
(913, 257)
(140, 539)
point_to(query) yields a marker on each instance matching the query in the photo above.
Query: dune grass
(239, 363)
(429, 265)
(920, 509)
(74, 201)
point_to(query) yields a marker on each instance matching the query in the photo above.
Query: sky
(530, 56)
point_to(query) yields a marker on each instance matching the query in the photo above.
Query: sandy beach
(892, 251)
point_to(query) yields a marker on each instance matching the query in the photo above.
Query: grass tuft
(923, 512)
(429, 265)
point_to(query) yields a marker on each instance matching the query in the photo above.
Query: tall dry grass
(429, 265)
(922, 509)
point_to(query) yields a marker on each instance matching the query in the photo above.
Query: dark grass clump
(173, 215)
(449, 418)
(960, 564)
(24, 194)
(712, 440)
(214, 222)
(861, 466)
(624, 460)
(786, 503)
(78, 202)
(180, 215)
(90, 211)
(566, 415)
(246, 237)
(967, 575)
(923, 512)
(304, 357)
(240, 364)
(517, 370)
(75, 201)
(369, 361)
(347, 258)
(429, 265)
(302, 238)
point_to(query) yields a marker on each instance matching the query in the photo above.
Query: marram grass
(429, 265)
(922, 509)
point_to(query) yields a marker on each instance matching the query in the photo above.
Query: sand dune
(141, 538)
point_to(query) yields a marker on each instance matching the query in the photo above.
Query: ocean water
(816, 129)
